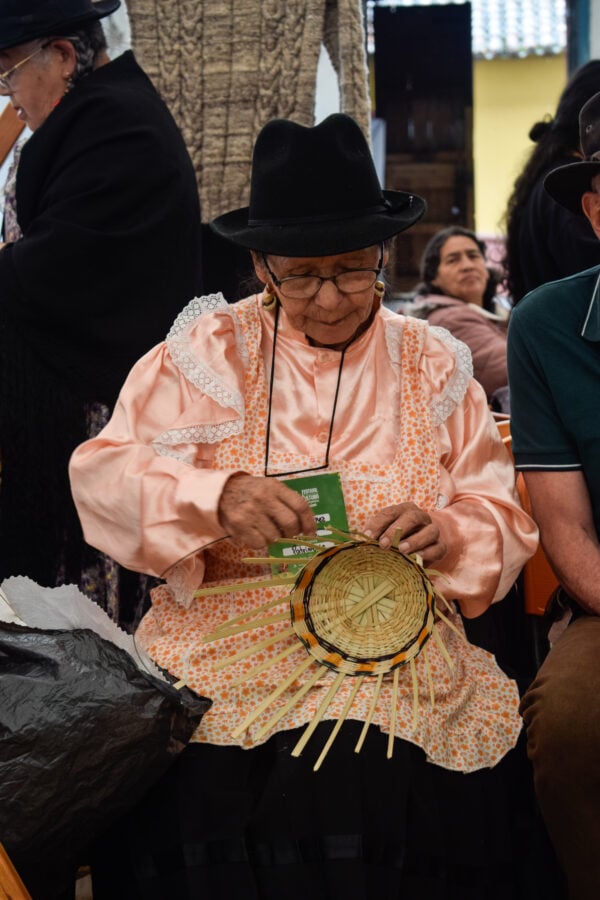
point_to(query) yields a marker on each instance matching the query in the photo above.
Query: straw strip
(440, 596)
(393, 710)
(300, 668)
(248, 626)
(429, 676)
(367, 601)
(244, 585)
(369, 718)
(443, 650)
(245, 615)
(313, 543)
(310, 728)
(267, 663)
(396, 538)
(358, 684)
(273, 560)
(437, 574)
(452, 626)
(372, 611)
(415, 686)
(302, 690)
(248, 651)
(348, 534)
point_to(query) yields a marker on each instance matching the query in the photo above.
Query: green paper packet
(325, 497)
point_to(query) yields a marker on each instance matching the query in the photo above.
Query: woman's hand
(255, 511)
(418, 534)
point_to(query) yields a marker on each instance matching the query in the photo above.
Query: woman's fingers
(405, 517)
(256, 511)
(410, 529)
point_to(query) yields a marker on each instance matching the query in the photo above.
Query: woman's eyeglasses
(303, 287)
(7, 75)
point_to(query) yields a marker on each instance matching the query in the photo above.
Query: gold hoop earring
(379, 289)
(269, 299)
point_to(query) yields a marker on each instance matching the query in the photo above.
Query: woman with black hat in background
(311, 376)
(109, 250)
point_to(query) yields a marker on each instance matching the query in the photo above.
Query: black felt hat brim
(323, 238)
(20, 29)
(566, 184)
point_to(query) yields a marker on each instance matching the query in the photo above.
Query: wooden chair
(539, 580)
(11, 886)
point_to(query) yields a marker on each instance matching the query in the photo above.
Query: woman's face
(38, 85)
(462, 272)
(330, 317)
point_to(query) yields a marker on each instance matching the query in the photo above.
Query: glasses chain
(331, 421)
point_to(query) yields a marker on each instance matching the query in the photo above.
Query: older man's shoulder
(563, 300)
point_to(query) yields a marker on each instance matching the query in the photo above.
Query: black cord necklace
(271, 382)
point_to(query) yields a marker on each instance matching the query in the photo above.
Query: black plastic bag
(83, 734)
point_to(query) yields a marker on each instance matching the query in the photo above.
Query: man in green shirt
(554, 374)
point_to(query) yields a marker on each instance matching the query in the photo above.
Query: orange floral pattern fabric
(475, 719)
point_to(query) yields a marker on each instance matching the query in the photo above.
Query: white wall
(327, 100)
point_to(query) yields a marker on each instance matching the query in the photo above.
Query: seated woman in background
(456, 292)
(192, 475)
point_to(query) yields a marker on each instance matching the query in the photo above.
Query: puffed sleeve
(485, 339)
(489, 536)
(158, 500)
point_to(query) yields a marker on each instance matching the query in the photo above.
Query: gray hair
(88, 42)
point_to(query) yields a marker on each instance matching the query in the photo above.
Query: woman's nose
(328, 295)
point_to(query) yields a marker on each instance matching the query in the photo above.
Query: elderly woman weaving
(311, 376)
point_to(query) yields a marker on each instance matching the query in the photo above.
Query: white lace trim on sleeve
(453, 394)
(203, 377)
(194, 434)
(393, 340)
(187, 361)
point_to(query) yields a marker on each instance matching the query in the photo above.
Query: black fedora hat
(25, 20)
(567, 183)
(315, 192)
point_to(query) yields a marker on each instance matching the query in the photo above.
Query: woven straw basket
(358, 610)
(362, 610)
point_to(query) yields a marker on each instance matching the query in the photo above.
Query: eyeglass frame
(4, 76)
(278, 282)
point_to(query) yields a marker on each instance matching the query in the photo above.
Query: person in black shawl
(108, 211)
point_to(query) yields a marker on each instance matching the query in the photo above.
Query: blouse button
(322, 437)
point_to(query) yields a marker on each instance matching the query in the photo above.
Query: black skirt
(226, 823)
(232, 824)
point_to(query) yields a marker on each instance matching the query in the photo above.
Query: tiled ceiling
(508, 27)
